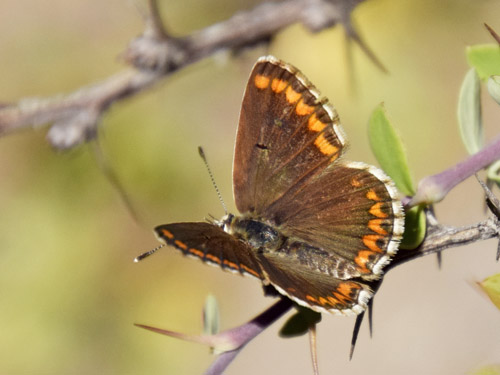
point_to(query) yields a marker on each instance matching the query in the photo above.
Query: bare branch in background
(156, 54)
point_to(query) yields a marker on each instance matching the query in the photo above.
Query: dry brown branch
(156, 54)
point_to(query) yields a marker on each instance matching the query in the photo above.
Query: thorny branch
(440, 237)
(156, 54)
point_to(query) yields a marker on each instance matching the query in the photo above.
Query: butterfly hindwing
(350, 210)
(311, 288)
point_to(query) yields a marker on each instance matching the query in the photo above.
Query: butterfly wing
(350, 210)
(212, 245)
(316, 290)
(285, 137)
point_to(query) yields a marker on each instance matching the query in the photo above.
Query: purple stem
(245, 333)
(221, 362)
(434, 188)
(230, 342)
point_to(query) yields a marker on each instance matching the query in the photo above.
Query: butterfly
(316, 227)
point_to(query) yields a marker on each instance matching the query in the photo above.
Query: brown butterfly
(317, 228)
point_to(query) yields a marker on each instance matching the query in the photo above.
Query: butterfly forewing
(211, 244)
(286, 136)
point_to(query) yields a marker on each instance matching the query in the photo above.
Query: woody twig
(74, 118)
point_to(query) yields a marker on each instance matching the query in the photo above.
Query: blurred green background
(69, 291)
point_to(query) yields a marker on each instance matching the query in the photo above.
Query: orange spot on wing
(303, 109)
(341, 298)
(230, 264)
(343, 295)
(370, 241)
(213, 258)
(372, 195)
(261, 82)
(180, 244)
(355, 182)
(362, 259)
(196, 252)
(278, 85)
(314, 124)
(292, 96)
(376, 210)
(333, 301)
(346, 288)
(249, 270)
(323, 301)
(311, 298)
(167, 234)
(324, 146)
(376, 226)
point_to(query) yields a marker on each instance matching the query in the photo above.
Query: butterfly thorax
(259, 235)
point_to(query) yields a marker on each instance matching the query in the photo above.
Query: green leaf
(494, 88)
(485, 58)
(415, 228)
(389, 151)
(300, 322)
(211, 316)
(469, 113)
(494, 172)
(491, 286)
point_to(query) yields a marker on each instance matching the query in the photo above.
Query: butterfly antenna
(148, 253)
(203, 156)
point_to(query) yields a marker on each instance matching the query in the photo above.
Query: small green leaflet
(469, 113)
(491, 286)
(389, 151)
(211, 316)
(485, 58)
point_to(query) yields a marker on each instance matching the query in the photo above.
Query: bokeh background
(69, 291)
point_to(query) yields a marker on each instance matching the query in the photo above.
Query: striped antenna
(148, 253)
(202, 154)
